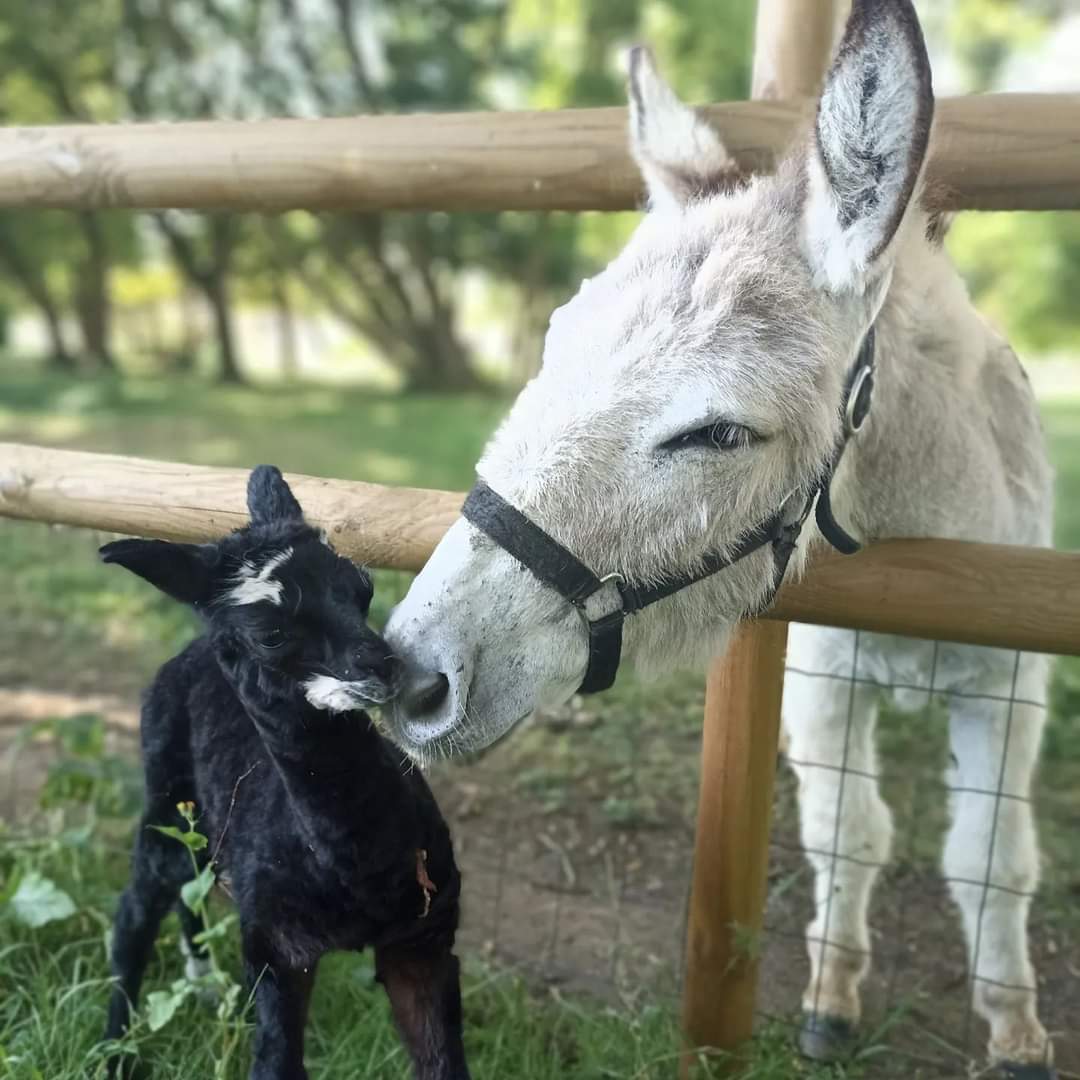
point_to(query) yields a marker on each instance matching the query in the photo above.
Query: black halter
(559, 568)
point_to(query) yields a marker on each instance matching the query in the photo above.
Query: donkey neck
(952, 447)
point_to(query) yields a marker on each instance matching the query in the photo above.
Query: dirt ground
(583, 894)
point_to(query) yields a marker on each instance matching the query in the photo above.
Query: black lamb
(318, 833)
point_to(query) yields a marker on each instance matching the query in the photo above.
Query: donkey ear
(873, 125)
(269, 498)
(680, 156)
(182, 571)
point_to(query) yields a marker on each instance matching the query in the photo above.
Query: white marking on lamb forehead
(339, 695)
(253, 584)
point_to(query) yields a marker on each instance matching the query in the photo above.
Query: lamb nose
(425, 693)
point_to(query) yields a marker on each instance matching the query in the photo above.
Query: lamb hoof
(826, 1038)
(1011, 1070)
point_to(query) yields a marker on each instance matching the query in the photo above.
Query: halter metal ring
(607, 579)
(853, 417)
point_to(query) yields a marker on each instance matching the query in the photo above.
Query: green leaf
(7, 891)
(82, 735)
(161, 1005)
(193, 841)
(226, 1009)
(38, 901)
(198, 888)
(216, 932)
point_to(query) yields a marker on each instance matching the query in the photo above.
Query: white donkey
(694, 390)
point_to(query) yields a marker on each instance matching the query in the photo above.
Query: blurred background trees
(418, 301)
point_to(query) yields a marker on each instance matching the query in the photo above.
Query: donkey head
(687, 392)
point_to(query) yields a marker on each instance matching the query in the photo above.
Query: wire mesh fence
(595, 900)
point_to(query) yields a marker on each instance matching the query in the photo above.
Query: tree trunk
(289, 347)
(215, 288)
(212, 280)
(91, 306)
(92, 293)
(54, 327)
(192, 328)
(36, 290)
(441, 363)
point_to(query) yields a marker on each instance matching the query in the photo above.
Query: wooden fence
(990, 152)
(993, 152)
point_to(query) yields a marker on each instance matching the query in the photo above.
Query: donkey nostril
(425, 694)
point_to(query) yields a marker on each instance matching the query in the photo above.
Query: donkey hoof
(827, 1038)
(1011, 1070)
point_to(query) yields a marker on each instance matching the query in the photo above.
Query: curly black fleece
(317, 831)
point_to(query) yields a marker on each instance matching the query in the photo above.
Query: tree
(1023, 269)
(175, 57)
(56, 65)
(394, 278)
(26, 247)
(397, 279)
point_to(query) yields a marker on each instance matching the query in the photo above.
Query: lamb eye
(722, 435)
(272, 639)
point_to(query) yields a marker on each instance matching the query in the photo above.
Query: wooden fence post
(792, 48)
(731, 853)
(793, 42)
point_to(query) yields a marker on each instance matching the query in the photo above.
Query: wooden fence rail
(982, 594)
(991, 152)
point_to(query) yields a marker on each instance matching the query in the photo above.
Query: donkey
(695, 389)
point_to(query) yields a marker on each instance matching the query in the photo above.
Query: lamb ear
(182, 571)
(873, 126)
(269, 498)
(680, 156)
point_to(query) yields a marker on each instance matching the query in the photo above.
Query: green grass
(53, 985)
(66, 622)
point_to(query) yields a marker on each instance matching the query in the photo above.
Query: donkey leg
(424, 987)
(992, 859)
(846, 833)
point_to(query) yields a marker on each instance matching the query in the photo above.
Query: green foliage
(54, 986)
(195, 891)
(395, 279)
(37, 901)
(161, 1005)
(984, 33)
(1024, 272)
(193, 841)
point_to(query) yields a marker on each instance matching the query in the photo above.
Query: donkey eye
(722, 435)
(273, 639)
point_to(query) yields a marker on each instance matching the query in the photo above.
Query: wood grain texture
(393, 527)
(982, 594)
(995, 152)
(731, 848)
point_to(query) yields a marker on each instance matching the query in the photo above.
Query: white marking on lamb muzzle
(254, 585)
(340, 695)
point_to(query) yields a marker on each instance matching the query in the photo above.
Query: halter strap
(557, 567)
